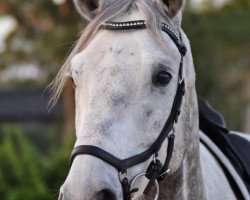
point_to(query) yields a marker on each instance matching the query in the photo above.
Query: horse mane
(153, 12)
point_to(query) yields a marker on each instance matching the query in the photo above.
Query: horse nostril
(106, 195)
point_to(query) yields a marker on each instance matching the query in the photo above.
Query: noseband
(156, 171)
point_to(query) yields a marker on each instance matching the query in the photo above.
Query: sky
(7, 25)
(58, 1)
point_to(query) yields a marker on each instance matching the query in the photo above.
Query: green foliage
(220, 41)
(34, 169)
(58, 167)
(24, 172)
(20, 172)
(44, 34)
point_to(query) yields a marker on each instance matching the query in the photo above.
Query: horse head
(130, 68)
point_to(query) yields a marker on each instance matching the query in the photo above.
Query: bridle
(156, 171)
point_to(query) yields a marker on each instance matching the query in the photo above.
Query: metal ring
(122, 176)
(156, 184)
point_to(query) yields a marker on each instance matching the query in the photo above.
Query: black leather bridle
(156, 171)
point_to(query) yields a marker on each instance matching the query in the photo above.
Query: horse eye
(162, 78)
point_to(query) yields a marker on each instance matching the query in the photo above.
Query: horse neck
(187, 182)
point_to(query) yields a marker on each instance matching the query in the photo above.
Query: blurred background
(35, 37)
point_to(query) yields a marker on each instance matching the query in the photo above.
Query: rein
(156, 171)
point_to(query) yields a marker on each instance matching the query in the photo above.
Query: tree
(44, 34)
(220, 45)
(219, 39)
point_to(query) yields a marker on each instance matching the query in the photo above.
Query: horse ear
(88, 8)
(172, 7)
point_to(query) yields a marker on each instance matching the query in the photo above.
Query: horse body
(215, 181)
(120, 110)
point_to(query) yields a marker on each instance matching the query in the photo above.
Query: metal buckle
(122, 175)
(154, 157)
(164, 173)
(173, 132)
(181, 76)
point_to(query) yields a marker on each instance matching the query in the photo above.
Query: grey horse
(121, 110)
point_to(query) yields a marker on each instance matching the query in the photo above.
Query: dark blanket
(235, 147)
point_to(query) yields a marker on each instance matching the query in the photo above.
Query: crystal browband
(124, 25)
(141, 24)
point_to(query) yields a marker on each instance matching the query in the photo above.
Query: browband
(141, 24)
